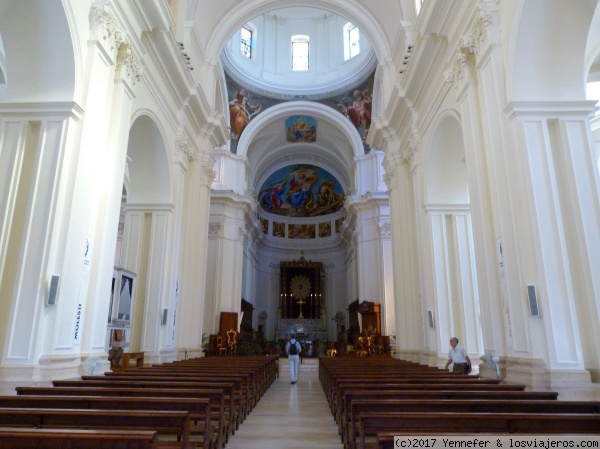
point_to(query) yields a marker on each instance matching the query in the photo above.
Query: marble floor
(290, 416)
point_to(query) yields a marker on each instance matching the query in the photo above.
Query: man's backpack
(293, 348)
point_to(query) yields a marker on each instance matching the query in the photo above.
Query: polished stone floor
(290, 416)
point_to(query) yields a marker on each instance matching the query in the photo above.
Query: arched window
(300, 52)
(351, 41)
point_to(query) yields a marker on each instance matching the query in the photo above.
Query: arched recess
(263, 142)
(449, 269)
(146, 219)
(547, 50)
(39, 51)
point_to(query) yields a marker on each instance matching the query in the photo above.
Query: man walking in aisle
(293, 348)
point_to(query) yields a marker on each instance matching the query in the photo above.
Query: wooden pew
(370, 424)
(232, 404)
(23, 438)
(429, 396)
(243, 389)
(336, 400)
(362, 406)
(174, 425)
(199, 409)
(215, 397)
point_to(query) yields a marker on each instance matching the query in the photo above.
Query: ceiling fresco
(245, 105)
(301, 190)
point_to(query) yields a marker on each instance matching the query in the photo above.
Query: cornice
(43, 111)
(549, 109)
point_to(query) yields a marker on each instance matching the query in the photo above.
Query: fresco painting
(325, 229)
(278, 229)
(301, 231)
(301, 191)
(301, 129)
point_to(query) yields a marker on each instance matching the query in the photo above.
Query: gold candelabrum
(300, 303)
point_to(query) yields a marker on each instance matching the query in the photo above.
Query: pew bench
(361, 406)
(232, 403)
(417, 423)
(219, 418)
(376, 394)
(199, 409)
(342, 387)
(172, 427)
(23, 438)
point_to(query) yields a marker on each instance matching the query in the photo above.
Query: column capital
(385, 229)
(104, 27)
(128, 67)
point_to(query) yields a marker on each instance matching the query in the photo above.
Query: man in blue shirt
(293, 348)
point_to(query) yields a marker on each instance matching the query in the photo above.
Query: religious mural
(301, 231)
(301, 191)
(301, 129)
(278, 229)
(264, 224)
(325, 229)
(245, 104)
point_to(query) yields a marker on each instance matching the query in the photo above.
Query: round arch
(36, 34)
(549, 38)
(445, 172)
(317, 110)
(147, 162)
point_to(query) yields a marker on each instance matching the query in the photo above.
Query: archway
(145, 224)
(454, 295)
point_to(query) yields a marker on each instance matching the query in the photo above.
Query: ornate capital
(104, 27)
(128, 67)
(186, 148)
(214, 228)
(385, 229)
(207, 163)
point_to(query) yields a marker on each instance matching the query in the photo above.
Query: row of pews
(375, 399)
(191, 404)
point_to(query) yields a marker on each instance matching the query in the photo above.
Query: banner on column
(83, 287)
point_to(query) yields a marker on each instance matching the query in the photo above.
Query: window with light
(300, 50)
(351, 41)
(246, 42)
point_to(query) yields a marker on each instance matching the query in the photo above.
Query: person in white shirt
(458, 356)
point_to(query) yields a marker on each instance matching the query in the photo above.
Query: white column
(35, 163)
(226, 244)
(107, 197)
(195, 253)
(406, 279)
(563, 188)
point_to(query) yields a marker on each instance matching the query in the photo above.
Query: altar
(304, 329)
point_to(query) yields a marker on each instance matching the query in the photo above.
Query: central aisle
(290, 416)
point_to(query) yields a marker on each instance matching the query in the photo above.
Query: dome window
(351, 41)
(300, 50)
(246, 42)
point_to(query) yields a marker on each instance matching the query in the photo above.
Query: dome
(298, 53)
